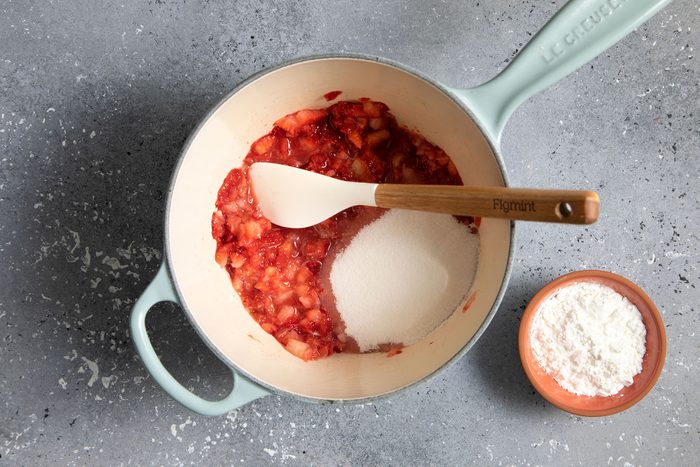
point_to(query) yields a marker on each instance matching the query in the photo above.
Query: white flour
(590, 339)
(403, 275)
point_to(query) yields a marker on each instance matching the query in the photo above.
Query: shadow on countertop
(496, 353)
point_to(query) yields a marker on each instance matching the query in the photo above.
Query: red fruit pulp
(279, 272)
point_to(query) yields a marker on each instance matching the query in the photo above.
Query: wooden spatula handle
(565, 206)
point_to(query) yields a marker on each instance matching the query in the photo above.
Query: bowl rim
(167, 259)
(581, 276)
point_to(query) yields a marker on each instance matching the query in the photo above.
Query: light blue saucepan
(467, 123)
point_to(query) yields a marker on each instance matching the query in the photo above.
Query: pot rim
(176, 170)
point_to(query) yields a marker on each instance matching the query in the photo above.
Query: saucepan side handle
(579, 32)
(161, 290)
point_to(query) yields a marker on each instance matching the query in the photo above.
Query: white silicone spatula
(297, 198)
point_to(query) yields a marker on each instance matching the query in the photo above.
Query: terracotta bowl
(651, 366)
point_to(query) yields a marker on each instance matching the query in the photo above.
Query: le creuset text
(558, 49)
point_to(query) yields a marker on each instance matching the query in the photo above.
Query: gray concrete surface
(96, 99)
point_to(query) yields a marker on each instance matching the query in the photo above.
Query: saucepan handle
(161, 290)
(579, 32)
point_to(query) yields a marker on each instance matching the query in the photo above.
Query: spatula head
(297, 198)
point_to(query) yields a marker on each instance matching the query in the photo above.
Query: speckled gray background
(96, 98)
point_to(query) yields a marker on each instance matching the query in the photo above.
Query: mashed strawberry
(278, 271)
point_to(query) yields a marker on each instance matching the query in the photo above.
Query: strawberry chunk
(310, 299)
(299, 348)
(355, 138)
(222, 254)
(377, 123)
(249, 231)
(303, 276)
(292, 124)
(377, 137)
(236, 260)
(264, 144)
(217, 225)
(360, 170)
(316, 249)
(374, 109)
(287, 314)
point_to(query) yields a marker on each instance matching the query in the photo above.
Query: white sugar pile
(402, 276)
(590, 339)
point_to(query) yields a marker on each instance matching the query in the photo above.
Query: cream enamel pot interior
(466, 123)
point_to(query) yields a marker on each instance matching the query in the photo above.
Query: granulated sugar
(402, 276)
(589, 338)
